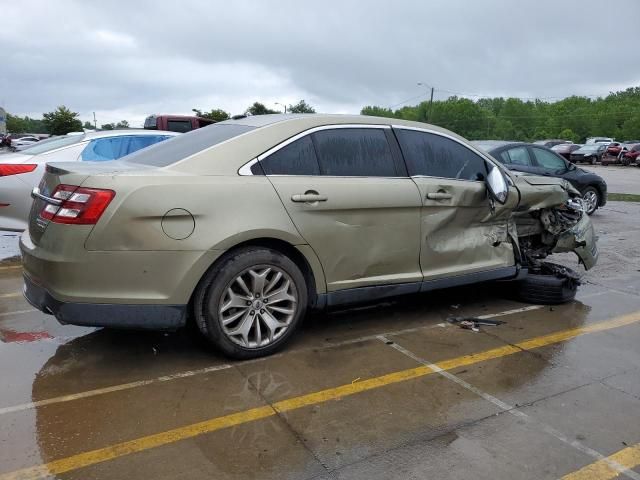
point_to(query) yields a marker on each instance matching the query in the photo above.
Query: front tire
(593, 160)
(591, 198)
(550, 285)
(250, 303)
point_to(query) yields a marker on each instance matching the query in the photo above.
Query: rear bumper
(142, 317)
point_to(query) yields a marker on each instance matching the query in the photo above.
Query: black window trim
(471, 148)
(245, 170)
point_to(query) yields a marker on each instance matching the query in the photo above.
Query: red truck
(175, 123)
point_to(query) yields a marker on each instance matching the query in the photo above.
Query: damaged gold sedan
(242, 226)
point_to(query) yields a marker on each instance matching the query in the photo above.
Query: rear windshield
(175, 149)
(51, 144)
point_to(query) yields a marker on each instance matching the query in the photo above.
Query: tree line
(62, 120)
(574, 118)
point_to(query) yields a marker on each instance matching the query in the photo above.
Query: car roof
(490, 145)
(311, 120)
(126, 131)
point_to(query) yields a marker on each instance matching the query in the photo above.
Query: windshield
(175, 149)
(45, 146)
(591, 148)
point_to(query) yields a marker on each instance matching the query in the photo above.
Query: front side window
(516, 156)
(297, 158)
(433, 155)
(354, 152)
(547, 159)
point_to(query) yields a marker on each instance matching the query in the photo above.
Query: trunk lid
(68, 173)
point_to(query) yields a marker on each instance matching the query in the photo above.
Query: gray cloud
(128, 59)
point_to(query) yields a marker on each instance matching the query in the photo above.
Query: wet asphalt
(355, 395)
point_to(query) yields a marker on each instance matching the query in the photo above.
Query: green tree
(216, 114)
(108, 126)
(568, 134)
(259, 109)
(301, 107)
(62, 121)
(122, 124)
(16, 124)
(377, 111)
(88, 126)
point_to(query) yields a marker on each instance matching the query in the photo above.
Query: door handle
(439, 196)
(308, 197)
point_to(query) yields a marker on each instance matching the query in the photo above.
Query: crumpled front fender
(582, 240)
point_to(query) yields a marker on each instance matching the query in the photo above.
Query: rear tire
(548, 286)
(230, 308)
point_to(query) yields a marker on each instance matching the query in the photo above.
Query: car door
(462, 232)
(348, 194)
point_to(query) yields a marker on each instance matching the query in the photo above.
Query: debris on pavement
(473, 323)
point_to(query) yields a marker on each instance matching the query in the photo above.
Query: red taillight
(80, 206)
(7, 169)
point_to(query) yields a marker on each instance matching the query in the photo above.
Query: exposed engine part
(541, 229)
(557, 220)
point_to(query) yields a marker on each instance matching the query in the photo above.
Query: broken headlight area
(563, 228)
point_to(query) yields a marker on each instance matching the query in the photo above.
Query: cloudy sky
(128, 59)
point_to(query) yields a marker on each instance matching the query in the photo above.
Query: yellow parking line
(12, 267)
(602, 469)
(10, 295)
(111, 452)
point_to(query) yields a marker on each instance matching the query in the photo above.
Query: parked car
(613, 149)
(22, 170)
(538, 160)
(591, 153)
(615, 153)
(11, 139)
(285, 213)
(552, 142)
(631, 155)
(175, 123)
(606, 140)
(565, 149)
(23, 142)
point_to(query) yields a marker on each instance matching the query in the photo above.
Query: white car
(21, 142)
(21, 171)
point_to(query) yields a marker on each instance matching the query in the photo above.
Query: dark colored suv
(539, 160)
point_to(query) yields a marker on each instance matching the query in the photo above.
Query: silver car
(22, 170)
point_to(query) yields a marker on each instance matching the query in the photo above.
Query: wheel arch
(302, 255)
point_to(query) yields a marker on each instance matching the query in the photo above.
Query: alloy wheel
(258, 306)
(591, 201)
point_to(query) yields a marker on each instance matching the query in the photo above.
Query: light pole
(430, 100)
(282, 105)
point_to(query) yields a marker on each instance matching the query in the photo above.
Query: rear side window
(354, 152)
(182, 146)
(297, 158)
(516, 156)
(181, 126)
(437, 156)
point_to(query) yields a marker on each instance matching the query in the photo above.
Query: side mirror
(497, 185)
